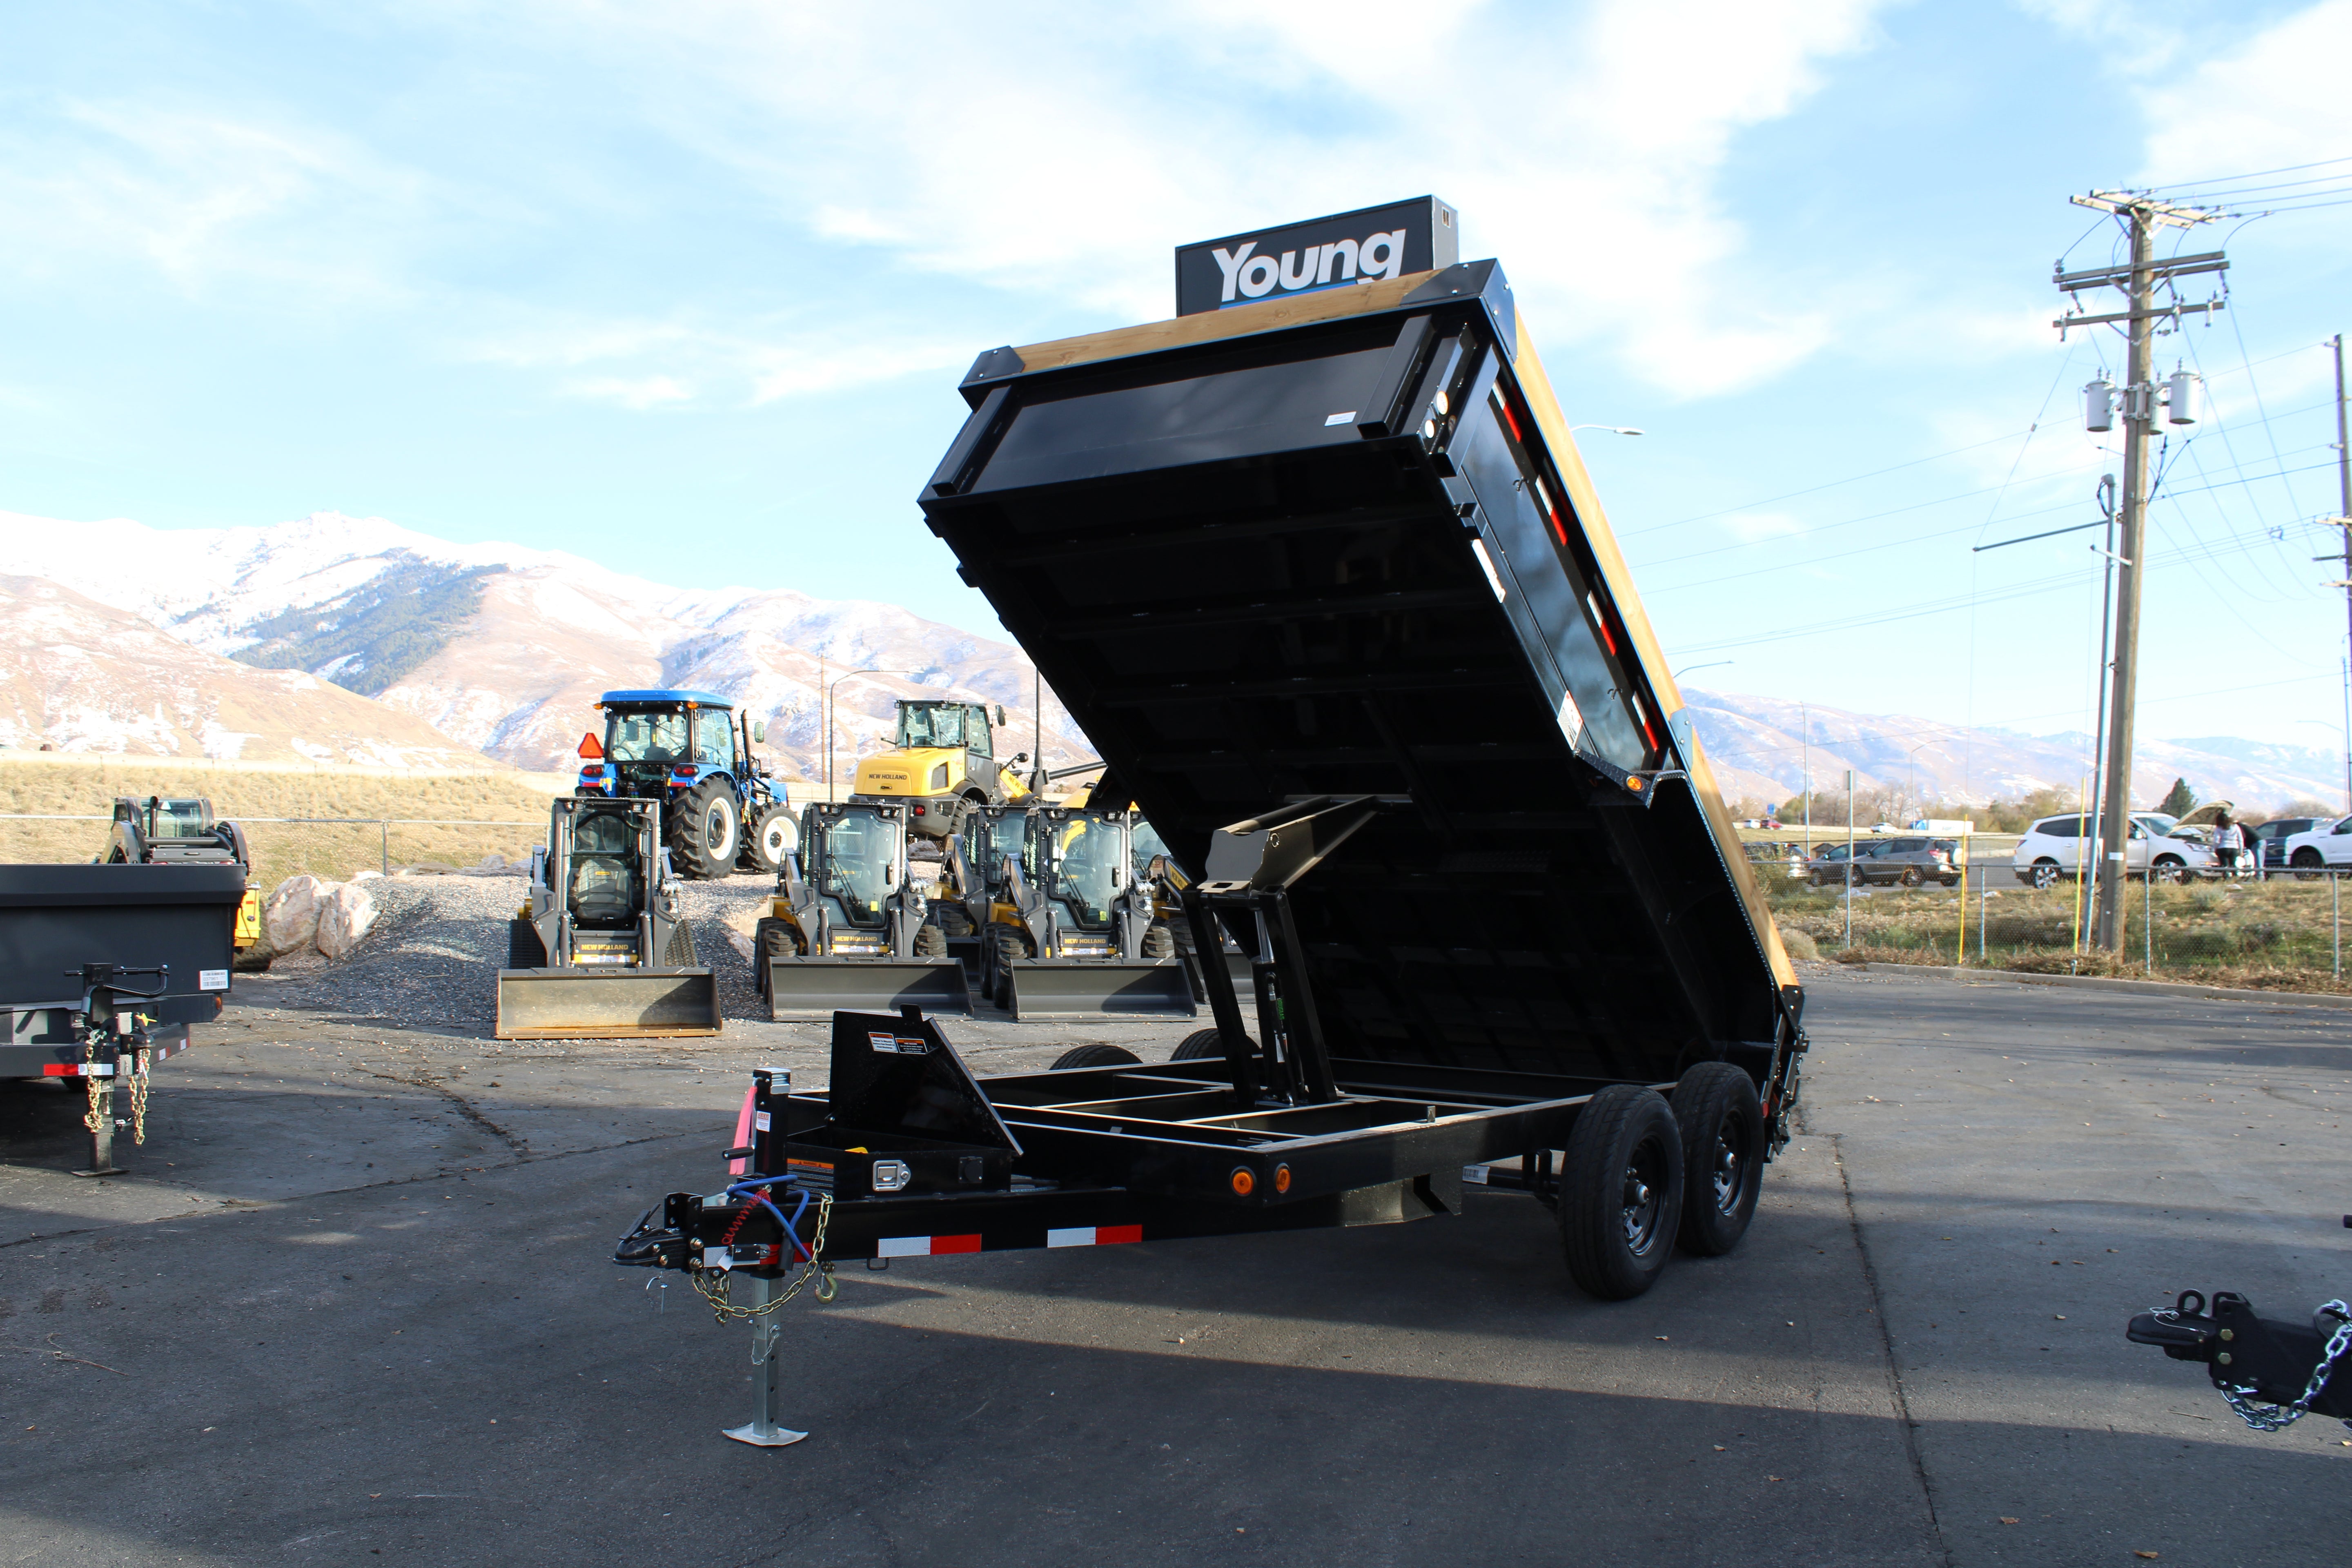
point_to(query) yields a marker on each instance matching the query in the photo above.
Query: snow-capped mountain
(1759, 750)
(82, 676)
(504, 648)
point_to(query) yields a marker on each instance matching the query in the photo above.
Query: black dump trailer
(1325, 581)
(102, 970)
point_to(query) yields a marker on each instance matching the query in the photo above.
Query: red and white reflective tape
(924, 1246)
(1093, 1236)
(77, 1069)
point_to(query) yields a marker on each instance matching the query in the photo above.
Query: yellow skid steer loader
(1070, 932)
(848, 929)
(602, 950)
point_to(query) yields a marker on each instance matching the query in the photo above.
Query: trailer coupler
(2273, 1373)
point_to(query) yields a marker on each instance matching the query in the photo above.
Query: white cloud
(1058, 157)
(2275, 99)
(209, 200)
(639, 392)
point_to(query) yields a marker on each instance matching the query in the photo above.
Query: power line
(2256, 174)
(1813, 490)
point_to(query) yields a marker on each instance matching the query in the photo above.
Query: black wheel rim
(1728, 1164)
(1643, 1197)
(714, 828)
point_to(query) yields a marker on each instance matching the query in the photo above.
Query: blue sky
(685, 289)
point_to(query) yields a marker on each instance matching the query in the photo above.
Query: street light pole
(829, 708)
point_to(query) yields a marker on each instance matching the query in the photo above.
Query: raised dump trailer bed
(102, 970)
(1323, 579)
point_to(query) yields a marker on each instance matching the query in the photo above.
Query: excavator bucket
(806, 988)
(1060, 989)
(605, 1004)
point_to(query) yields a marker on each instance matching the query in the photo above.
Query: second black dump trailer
(1325, 581)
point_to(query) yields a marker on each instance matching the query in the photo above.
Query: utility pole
(2142, 216)
(2343, 521)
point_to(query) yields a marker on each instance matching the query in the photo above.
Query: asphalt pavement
(356, 1305)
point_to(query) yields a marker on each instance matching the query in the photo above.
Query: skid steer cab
(1070, 930)
(164, 831)
(602, 950)
(941, 767)
(848, 927)
(721, 809)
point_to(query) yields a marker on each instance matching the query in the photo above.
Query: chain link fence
(333, 848)
(2281, 930)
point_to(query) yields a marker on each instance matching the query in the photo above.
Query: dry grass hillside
(431, 813)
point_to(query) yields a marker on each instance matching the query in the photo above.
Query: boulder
(346, 915)
(289, 920)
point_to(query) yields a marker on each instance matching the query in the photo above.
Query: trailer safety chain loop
(95, 1117)
(714, 1291)
(2279, 1417)
(139, 1098)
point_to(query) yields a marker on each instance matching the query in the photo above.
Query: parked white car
(2329, 844)
(2053, 849)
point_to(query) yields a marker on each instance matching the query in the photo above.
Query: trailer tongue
(1323, 579)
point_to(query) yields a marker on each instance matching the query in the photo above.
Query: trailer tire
(930, 941)
(1097, 1055)
(1202, 1044)
(1159, 942)
(524, 949)
(1722, 1124)
(706, 831)
(1621, 1192)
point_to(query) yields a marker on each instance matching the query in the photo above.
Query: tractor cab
(941, 765)
(721, 810)
(605, 892)
(847, 927)
(1080, 859)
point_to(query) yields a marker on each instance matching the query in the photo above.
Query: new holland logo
(1255, 276)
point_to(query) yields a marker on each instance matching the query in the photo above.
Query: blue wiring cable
(791, 1226)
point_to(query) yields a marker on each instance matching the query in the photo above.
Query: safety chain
(2278, 1417)
(713, 1284)
(138, 1097)
(95, 1117)
(2264, 1417)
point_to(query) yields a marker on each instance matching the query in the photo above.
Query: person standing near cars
(2229, 838)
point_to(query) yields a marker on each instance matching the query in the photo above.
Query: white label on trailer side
(212, 979)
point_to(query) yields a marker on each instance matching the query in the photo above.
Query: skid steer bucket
(804, 988)
(1054, 989)
(605, 1004)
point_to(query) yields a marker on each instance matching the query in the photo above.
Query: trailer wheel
(1097, 1055)
(1722, 1124)
(1621, 1192)
(524, 949)
(1159, 942)
(930, 941)
(706, 831)
(1201, 1045)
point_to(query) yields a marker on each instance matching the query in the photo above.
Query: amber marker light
(1282, 1178)
(1243, 1183)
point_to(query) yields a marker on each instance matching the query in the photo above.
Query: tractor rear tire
(706, 832)
(524, 949)
(1099, 1054)
(1159, 942)
(1722, 1124)
(767, 841)
(1621, 1192)
(930, 941)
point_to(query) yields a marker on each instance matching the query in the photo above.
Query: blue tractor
(721, 809)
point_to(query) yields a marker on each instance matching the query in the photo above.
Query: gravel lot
(430, 961)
